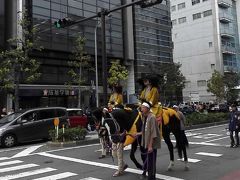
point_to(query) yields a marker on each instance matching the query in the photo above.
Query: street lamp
(96, 63)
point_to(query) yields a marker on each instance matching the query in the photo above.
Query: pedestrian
(151, 140)
(234, 125)
(182, 125)
(4, 112)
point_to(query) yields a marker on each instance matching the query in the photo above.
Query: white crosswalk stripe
(90, 178)
(57, 176)
(209, 154)
(10, 162)
(14, 168)
(191, 160)
(27, 173)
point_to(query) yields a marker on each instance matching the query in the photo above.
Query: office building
(124, 40)
(206, 38)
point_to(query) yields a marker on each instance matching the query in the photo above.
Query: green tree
(222, 86)
(17, 65)
(231, 80)
(216, 86)
(117, 73)
(171, 81)
(79, 64)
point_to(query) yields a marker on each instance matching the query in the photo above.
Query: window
(173, 8)
(46, 114)
(204, 0)
(201, 83)
(182, 20)
(196, 16)
(210, 44)
(207, 13)
(174, 22)
(195, 2)
(181, 6)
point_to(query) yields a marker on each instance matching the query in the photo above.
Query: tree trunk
(16, 92)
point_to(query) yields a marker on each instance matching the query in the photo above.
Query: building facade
(122, 42)
(206, 38)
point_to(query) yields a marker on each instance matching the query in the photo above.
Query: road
(210, 158)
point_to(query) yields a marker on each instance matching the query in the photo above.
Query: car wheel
(9, 140)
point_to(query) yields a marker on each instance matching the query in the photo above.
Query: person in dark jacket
(234, 125)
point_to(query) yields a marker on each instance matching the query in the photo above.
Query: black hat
(151, 78)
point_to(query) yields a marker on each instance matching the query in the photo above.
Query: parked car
(30, 125)
(77, 118)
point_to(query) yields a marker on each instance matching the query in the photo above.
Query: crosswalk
(10, 169)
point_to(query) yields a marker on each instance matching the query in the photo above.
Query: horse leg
(166, 137)
(132, 155)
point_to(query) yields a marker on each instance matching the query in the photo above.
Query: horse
(117, 123)
(171, 123)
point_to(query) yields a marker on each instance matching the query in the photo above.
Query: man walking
(150, 140)
(233, 125)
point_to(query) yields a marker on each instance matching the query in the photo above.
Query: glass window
(46, 114)
(181, 6)
(60, 112)
(197, 16)
(182, 20)
(31, 116)
(174, 22)
(201, 83)
(207, 13)
(195, 2)
(173, 8)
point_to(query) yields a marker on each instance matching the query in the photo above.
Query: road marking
(28, 173)
(90, 178)
(10, 162)
(191, 160)
(209, 154)
(27, 151)
(110, 166)
(14, 168)
(189, 134)
(206, 136)
(3, 158)
(216, 139)
(57, 176)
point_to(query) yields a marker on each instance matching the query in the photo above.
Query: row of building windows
(195, 16)
(183, 5)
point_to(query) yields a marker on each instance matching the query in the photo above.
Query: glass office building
(152, 44)
(153, 39)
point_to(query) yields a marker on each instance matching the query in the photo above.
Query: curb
(205, 125)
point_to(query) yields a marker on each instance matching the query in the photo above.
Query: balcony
(228, 49)
(224, 18)
(227, 33)
(224, 3)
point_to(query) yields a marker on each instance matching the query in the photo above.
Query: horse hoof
(169, 169)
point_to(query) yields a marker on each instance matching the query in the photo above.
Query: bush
(70, 134)
(200, 118)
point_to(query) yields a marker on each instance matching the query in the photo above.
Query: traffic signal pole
(102, 14)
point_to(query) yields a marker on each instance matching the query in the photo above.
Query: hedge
(201, 118)
(70, 134)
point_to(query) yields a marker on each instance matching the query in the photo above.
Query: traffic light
(149, 3)
(61, 23)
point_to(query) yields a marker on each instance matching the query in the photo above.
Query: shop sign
(58, 92)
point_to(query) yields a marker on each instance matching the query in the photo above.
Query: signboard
(58, 92)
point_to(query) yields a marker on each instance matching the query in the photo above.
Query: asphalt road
(210, 158)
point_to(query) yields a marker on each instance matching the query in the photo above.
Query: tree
(231, 80)
(222, 86)
(80, 62)
(117, 73)
(216, 86)
(171, 81)
(17, 65)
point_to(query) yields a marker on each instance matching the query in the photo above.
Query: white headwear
(146, 105)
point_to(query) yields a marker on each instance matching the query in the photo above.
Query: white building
(206, 38)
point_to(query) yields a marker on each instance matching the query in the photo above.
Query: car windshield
(75, 113)
(9, 118)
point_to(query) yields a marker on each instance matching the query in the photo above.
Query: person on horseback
(116, 98)
(150, 92)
